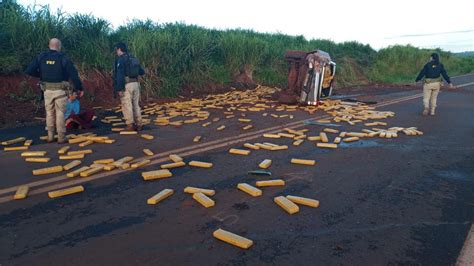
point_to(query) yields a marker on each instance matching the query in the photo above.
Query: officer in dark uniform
(54, 70)
(432, 81)
(127, 70)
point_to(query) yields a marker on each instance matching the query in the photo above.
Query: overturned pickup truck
(310, 77)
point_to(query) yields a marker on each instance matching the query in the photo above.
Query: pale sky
(448, 24)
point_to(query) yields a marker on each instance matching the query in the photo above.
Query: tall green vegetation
(178, 56)
(398, 64)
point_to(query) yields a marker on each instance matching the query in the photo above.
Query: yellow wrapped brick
(64, 149)
(265, 164)
(128, 132)
(71, 157)
(13, 141)
(251, 146)
(247, 127)
(233, 239)
(239, 152)
(191, 121)
(77, 140)
(371, 124)
(148, 152)
(173, 165)
(304, 201)
(79, 152)
(324, 137)
(37, 159)
(286, 135)
(192, 190)
(21, 192)
(272, 136)
(97, 139)
(298, 142)
(175, 158)
(77, 172)
(33, 154)
(200, 164)
(356, 134)
(303, 162)
(48, 170)
(86, 143)
(19, 148)
(221, 128)
(109, 167)
(164, 194)
(123, 160)
(91, 171)
(203, 200)
(197, 139)
(286, 204)
(330, 130)
(147, 136)
(157, 174)
(300, 137)
(326, 145)
(104, 161)
(251, 190)
(71, 165)
(279, 148)
(323, 121)
(418, 132)
(140, 164)
(65, 192)
(263, 146)
(270, 183)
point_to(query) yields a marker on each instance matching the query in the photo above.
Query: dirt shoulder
(21, 104)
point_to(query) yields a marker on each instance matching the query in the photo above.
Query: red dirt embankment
(20, 95)
(20, 103)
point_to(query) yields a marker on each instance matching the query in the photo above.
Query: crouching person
(75, 119)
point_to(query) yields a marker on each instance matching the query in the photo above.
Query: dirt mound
(244, 79)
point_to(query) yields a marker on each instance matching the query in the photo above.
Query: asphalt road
(406, 200)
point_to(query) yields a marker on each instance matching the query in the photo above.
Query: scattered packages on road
(211, 111)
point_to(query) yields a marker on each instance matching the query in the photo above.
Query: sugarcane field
(229, 147)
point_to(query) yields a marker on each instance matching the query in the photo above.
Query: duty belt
(128, 80)
(429, 80)
(54, 86)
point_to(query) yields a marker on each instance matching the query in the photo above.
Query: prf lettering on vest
(49, 62)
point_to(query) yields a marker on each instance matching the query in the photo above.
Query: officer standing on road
(127, 69)
(54, 70)
(432, 72)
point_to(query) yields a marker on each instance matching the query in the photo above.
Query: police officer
(54, 70)
(432, 72)
(126, 85)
